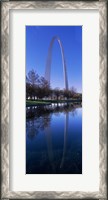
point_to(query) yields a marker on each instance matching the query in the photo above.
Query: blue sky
(37, 43)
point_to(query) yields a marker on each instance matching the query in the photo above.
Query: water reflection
(39, 117)
(50, 146)
(65, 140)
(36, 119)
(51, 149)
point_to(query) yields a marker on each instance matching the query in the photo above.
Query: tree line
(38, 88)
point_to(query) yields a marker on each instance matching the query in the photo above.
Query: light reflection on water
(54, 139)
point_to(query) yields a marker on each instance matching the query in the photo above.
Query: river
(54, 139)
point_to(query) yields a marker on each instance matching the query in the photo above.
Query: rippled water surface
(54, 139)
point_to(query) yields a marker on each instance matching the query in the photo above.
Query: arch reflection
(50, 145)
(51, 148)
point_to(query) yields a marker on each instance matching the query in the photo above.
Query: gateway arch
(49, 60)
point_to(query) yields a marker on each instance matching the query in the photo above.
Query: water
(54, 139)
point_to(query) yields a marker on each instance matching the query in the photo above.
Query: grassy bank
(35, 103)
(48, 102)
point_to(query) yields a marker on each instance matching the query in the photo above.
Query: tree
(73, 91)
(32, 77)
(43, 89)
(31, 83)
(67, 93)
(43, 83)
(51, 93)
(30, 91)
(57, 93)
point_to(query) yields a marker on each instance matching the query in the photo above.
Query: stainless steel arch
(49, 59)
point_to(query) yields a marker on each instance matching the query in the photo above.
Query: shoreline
(49, 102)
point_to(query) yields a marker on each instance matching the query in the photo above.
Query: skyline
(38, 39)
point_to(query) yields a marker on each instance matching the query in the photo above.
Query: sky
(38, 39)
